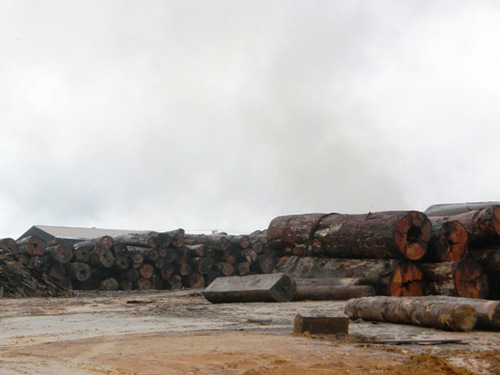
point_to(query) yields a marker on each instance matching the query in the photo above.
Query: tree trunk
(449, 241)
(387, 276)
(482, 226)
(401, 234)
(488, 312)
(458, 279)
(60, 253)
(325, 293)
(413, 310)
(79, 271)
(253, 288)
(122, 263)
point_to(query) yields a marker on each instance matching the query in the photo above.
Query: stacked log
(398, 253)
(147, 260)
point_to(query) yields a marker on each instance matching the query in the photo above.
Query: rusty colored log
(413, 310)
(458, 279)
(32, 245)
(378, 235)
(448, 243)
(146, 270)
(387, 276)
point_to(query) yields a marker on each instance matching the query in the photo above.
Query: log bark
(448, 209)
(387, 276)
(488, 312)
(79, 271)
(253, 288)
(482, 226)
(59, 253)
(325, 293)
(213, 241)
(202, 265)
(413, 310)
(397, 234)
(144, 239)
(449, 241)
(329, 281)
(458, 279)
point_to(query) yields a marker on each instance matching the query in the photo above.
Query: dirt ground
(182, 333)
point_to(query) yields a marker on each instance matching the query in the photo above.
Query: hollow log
(79, 271)
(253, 288)
(143, 238)
(449, 241)
(458, 279)
(388, 276)
(325, 293)
(413, 310)
(59, 253)
(395, 234)
(482, 226)
(488, 312)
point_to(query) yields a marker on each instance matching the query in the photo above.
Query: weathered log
(213, 241)
(413, 310)
(387, 276)
(243, 268)
(448, 209)
(144, 283)
(82, 253)
(193, 281)
(248, 255)
(202, 265)
(265, 263)
(109, 284)
(183, 268)
(449, 241)
(198, 251)
(174, 282)
(395, 234)
(143, 238)
(242, 241)
(482, 226)
(122, 263)
(458, 279)
(9, 243)
(104, 241)
(32, 245)
(488, 312)
(79, 271)
(325, 293)
(59, 253)
(329, 281)
(136, 259)
(146, 270)
(225, 268)
(488, 257)
(167, 271)
(276, 287)
(232, 254)
(257, 246)
(169, 255)
(102, 257)
(177, 237)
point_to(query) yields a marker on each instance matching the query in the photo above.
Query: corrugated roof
(48, 232)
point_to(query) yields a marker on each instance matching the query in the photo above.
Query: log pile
(398, 253)
(147, 260)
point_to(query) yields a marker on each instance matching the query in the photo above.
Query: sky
(224, 114)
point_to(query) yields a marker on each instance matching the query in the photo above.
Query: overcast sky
(225, 114)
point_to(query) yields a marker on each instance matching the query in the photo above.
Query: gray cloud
(223, 115)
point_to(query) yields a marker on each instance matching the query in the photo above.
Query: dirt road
(181, 333)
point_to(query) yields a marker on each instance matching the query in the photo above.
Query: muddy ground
(181, 333)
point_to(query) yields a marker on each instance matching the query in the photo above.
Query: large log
(59, 253)
(413, 310)
(448, 209)
(276, 287)
(488, 312)
(395, 234)
(329, 281)
(32, 245)
(79, 271)
(482, 226)
(325, 293)
(10, 243)
(102, 257)
(103, 241)
(143, 238)
(449, 241)
(458, 279)
(488, 257)
(388, 276)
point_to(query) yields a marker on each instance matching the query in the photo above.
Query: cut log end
(470, 281)
(453, 240)
(406, 281)
(412, 234)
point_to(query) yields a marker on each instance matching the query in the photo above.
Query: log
(56, 271)
(59, 253)
(104, 241)
(202, 265)
(143, 238)
(329, 281)
(488, 257)
(198, 251)
(174, 282)
(131, 275)
(458, 279)
(167, 271)
(102, 257)
(82, 253)
(146, 270)
(379, 235)
(264, 264)
(448, 209)
(212, 275)
(413, 310)
(276, 287)
(144, 284)
(177, 237)
(387, 276)
(449, 241)
(79, 271)
(32, 245)
(232, 254)
(243, 268)
(193, 281)
(488, 312)
(248, 255)
(482, 226)
(213, 241)
(325, 293)
(321, 324)
(122, 263)
(225, 268)
(109, 284)
(10, 244)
